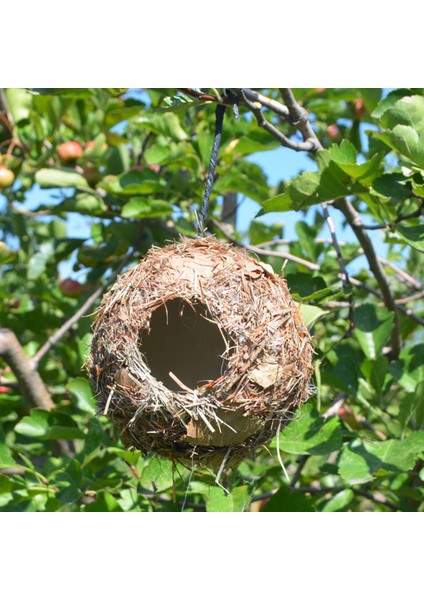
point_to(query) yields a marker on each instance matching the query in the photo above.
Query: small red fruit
(71, 288)
(7, 177)
(358, 107)
(4, 389)
(333, 131)
(69, 152)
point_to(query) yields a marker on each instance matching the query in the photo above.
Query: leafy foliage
(358, 444)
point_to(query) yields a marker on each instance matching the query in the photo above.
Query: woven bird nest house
(199, 354)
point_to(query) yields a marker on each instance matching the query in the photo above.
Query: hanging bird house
(199, 354)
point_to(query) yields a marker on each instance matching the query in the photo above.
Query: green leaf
(404, 127)
(123, 112)
(59, 91)
(286, 500)
(392, 185)
(345, 153)
(143, 208)
(82, 394)
(305, 288)
(365, 172)
(414, 236)
(389, 101)
(115, 92)
(373, 326)
(256, 141)
(412, 408)
(38, 261)
(182, 101)
(361, 461)
(260, 232)
(157, 475)
(309, 433)
(70, 482)
(104, 502)
(6, 458)
(408, 370)
(219, 501)
(339, 501)
(57, 178)
(245, 178)
(333, 180)
(375, 372)
(311, 314)
(35, 425)
(301, 193)
(237, 500)
(84, 203)
(134, 183)
(45, 425)
(344, 372)
(19, 102)
(7, 255)
(167, 124)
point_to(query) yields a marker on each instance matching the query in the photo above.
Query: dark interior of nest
(184, 347)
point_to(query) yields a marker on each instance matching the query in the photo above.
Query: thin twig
(369, 289)
(143, 148)
(402, 275)
(376, 499)
(29, 213)
(80, 312)
(408, 299)
(300, 464)
(411, 215)
(345, 275)
(203, 96)
(260, 251)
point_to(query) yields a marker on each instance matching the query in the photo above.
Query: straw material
(265, 354)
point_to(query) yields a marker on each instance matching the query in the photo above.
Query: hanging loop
(219, 118)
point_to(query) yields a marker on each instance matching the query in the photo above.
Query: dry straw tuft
(199, 354)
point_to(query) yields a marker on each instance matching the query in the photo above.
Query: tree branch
(353, 219)
(255, 108)
(30, 382)
(273, 105)
(300, 119)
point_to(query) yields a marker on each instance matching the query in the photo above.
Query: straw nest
(199, 354)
